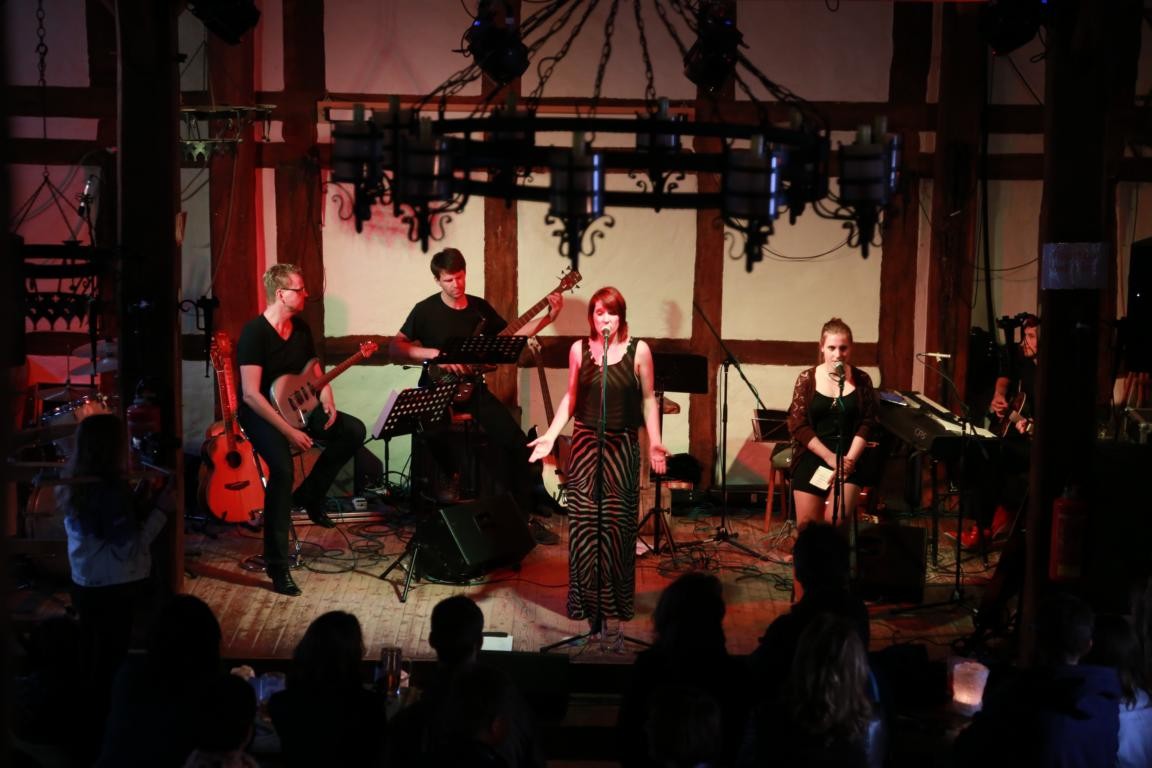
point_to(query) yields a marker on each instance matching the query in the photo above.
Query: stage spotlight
(494, 42)
(1009, 24)
(711, 59)
(227, 19)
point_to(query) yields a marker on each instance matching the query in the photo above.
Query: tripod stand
(657, 512)
(723, 535)
(406, 412)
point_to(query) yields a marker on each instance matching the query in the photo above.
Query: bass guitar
(465, 384)
(562, 447)
(231, 488)
(297, 395)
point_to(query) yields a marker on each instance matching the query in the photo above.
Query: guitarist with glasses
(274, 345)
(454, 313)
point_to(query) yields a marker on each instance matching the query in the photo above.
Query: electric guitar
(296, 395)
(562, 447)
(1003, 424)
(465, 386)
(230, 480)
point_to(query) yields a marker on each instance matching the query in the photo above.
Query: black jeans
(340, 443)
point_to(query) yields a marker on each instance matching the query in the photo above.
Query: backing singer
(814, 421)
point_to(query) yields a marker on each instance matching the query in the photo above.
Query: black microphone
(604, 331)
(838, 368)
(86, 195)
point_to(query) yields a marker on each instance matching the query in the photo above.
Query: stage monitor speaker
(1139, 310)
(463, 541)
(891, 563)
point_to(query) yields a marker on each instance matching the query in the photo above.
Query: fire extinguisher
(1069, 526)
(144, 426)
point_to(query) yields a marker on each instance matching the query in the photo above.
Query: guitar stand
(411, 553)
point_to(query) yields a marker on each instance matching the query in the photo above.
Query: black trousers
(340, 443)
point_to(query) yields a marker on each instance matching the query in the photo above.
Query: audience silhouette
(326, 715)
(226, 726)
(690, 649)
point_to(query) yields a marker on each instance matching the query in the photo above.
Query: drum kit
(42, 449)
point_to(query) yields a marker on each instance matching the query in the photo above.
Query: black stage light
(712, 58)
(494, 43)
(1009, 24)
(227, 19)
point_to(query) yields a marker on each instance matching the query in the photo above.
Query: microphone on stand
(936, 355)
(604, 331)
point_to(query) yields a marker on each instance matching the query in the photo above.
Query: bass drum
(44, 512)
(74, 413)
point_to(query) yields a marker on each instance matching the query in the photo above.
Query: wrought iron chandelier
(427, 164)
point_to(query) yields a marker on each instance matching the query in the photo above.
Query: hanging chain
(546, 67)
(605, 51)
(42, 53)
(649, 76)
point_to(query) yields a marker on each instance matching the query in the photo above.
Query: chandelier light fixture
(427, 163)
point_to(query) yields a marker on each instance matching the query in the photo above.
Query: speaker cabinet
(463, 541)
(891, 563)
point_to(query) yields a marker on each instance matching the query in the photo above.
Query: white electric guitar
(296, 395)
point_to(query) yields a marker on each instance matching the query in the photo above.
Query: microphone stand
(838, 506)
(723, 535)
(597, 624)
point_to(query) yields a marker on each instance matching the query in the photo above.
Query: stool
(781, 466)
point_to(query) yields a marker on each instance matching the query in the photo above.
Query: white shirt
(1135, 733)
(99, 563)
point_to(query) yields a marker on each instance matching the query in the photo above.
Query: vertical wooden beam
(101, 31)
(907, 86)
(299, 199)
(708, 290)
(963, 61)
(502, 255)
(1090, 72)
(232, 191)
(148, 160)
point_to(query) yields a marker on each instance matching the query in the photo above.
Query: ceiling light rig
(427, 166)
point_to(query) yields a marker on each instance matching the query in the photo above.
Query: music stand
(481, 350)
(406, 412)
(672, 372)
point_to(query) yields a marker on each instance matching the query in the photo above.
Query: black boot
(283, 583)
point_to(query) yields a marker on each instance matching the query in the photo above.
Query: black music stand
(406, 412)
(481, 350)
(671, 372)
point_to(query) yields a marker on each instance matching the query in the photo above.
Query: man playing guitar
(453, 313)
(274, 344)
(1010, 418)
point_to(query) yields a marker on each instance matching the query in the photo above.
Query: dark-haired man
(455, 313)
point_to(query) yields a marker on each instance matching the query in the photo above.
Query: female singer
(828, 397)
(601, 569)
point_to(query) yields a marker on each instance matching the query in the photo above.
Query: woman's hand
(657, 457)
(298, 439)
(541, 447)
(847, 465)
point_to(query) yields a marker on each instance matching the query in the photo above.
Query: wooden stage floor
(342, 567)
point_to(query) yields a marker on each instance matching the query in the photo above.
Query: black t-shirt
(432, 322)
(261, 345)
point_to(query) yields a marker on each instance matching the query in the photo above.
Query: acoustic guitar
(231, 488)
(465, 385)
(1002, 425)
(562, 447)
(296, 396)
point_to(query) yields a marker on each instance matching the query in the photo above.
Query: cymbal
(66, 393)
(103, 365)
(104, 348)
(44, 434)
(670, 406)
